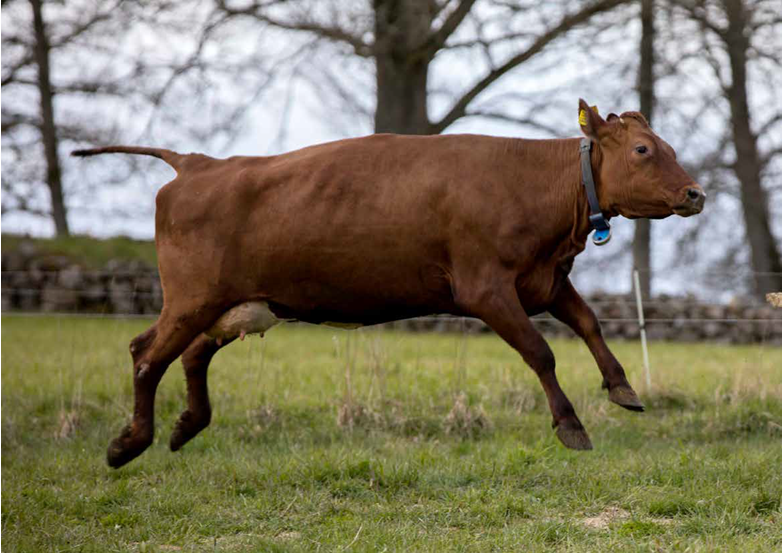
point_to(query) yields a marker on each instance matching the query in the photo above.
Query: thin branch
(156, 98)
(10, 73)
(485, 43)
(87, 25)
(766, 126)
(322, 31)
(698, 13)
(767, 157)
(500, 116)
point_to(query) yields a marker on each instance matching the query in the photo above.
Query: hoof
(573, 437)
(122, 450)
(178, 438)
(185, 429)
(625, 396)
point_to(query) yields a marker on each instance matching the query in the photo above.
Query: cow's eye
(641, 149)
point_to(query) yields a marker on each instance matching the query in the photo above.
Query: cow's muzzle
(693, 202)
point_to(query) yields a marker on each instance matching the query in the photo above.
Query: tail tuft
(169, 156)
(85, 152)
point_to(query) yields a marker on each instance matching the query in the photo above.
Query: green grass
(700, 471)
(88, 251)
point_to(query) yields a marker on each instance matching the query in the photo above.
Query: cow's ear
(591, 123)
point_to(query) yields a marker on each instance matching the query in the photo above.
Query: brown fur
(386, 227)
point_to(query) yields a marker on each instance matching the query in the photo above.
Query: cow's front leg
(195, 361)
(571, 309)
(500, 308)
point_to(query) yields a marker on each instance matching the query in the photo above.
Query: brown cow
(385, 227)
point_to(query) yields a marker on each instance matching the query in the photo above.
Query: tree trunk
(401, 69)
(402, 97)
(642, 237)
(48, 131)
(765, 257)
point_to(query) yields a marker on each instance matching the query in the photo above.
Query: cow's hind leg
(499, 307)
(152, 353)
(571, 309)
(196, 417)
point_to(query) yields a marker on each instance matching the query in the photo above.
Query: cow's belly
(352, 301)
(256, 317)
(354, 290)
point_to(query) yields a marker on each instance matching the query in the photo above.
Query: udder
(244, 319)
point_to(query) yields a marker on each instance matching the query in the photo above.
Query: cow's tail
(172, 158)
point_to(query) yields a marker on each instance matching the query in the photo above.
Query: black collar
(597, 221)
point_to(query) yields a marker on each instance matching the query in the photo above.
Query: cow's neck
(556, 181)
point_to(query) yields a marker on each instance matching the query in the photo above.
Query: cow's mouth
(686, 211)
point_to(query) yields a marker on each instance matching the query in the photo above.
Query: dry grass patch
(69, 422)
(609, 515)
(352, 415)
(466, 421)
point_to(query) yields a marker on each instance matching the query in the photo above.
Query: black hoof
(625, 396)
(178, 439)
(573, 436)
(185, 429)
(121, 449)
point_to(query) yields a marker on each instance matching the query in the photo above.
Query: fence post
(642, 330)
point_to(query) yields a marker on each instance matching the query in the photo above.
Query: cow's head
(639, 175)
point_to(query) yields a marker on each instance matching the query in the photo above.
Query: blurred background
(229, 77)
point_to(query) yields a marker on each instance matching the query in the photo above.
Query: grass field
(375, 440)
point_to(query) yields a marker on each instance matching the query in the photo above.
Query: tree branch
(10, 73)
(774, 120)
(766, 157)
(567, 23)
(335, 33)
(11, 120)
(436, 40)
(698, 13)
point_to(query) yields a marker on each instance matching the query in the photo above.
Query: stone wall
(54, 284)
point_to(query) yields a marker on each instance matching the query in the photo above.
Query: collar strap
(597, 221)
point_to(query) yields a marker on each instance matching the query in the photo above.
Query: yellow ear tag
(583, 115)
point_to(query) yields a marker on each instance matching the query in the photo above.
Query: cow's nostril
(694, 194)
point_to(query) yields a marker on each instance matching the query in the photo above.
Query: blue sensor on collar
(602, 236)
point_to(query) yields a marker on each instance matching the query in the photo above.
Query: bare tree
(737, 31)
(31, 38)
(401, 38)
(39, 54)
(108, 71)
